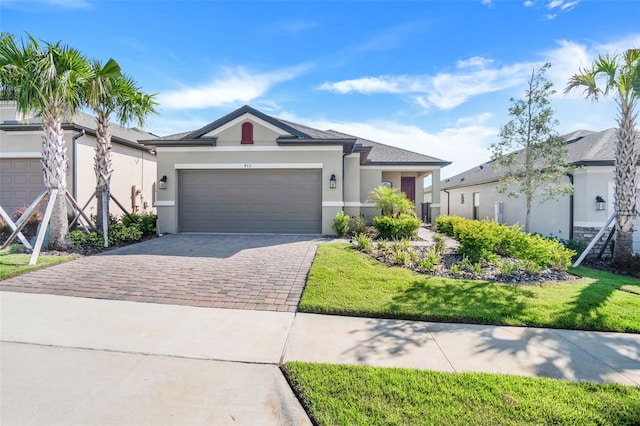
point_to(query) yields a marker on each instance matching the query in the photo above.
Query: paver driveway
(258, 272)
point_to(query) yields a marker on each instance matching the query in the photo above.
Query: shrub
(484, 240)
(396, 228)
(438, 244)
(145, 222)
(358, 225)
(576, 245)
(31, 228)
(364, 242)
(430, 260)
(340, 224)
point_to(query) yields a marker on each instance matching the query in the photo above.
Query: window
(247, 133)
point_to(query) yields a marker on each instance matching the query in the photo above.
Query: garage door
(20, 183)
(250, 201)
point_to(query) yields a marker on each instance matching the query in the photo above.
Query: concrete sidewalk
(65, 359)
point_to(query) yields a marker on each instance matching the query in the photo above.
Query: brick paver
(257, 272)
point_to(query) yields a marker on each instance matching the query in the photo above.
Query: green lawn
(345, 281)
(353, 395)
(13, 264)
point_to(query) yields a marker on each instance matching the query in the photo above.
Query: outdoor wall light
(333, 182)
(600, 203)
(162, 183)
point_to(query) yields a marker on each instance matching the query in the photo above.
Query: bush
(363, 242)
(31, 228)
(396, 228)
(430, 260)
(146, 222)
(340, 224)
(485, 240)
(576, 245)
(127, 229)
(358, 225)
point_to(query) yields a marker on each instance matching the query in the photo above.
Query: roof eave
(246, 109)
(407, 163)
(73, 127)
(181, 142)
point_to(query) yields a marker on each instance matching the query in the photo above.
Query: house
(249, 172)
(21, 176)
(473, 193)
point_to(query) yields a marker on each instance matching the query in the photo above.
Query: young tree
(620, 77)
(530, 156)
(46, 80)
(108, 92)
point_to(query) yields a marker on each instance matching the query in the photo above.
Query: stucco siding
(131, 167)
(170, 160)
(549, 218)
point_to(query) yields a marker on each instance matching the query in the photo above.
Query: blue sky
(430, 76)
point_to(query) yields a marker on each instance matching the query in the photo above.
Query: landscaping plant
(487, 240)
(340, 224)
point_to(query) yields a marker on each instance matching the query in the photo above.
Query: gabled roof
(584, 148)
(376, 153)
(296, 133)
(87, 123)
(372, 153)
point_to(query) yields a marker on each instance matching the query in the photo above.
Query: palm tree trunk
(54, 160)
(103, 169)
(627, 150)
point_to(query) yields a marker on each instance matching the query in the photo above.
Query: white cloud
(486, 2)
(528, 3)
(382, 84)
(562, 4)
(476, 61)
(443, 90)
(235, 85)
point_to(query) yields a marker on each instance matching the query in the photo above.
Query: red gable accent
(247, 133)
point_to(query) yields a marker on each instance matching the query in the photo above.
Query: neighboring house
(21, 176)
(249, 172)
(473, 193)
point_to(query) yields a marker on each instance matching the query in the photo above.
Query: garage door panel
(20, 182)
(277, 201)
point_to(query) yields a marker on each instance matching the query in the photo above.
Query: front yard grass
(344, 281)
(13, 263)
(355, 395)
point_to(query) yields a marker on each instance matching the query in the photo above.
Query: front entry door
(408, 187)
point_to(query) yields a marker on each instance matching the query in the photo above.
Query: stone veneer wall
(587, 234)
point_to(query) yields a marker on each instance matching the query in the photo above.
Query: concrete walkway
(69, 360)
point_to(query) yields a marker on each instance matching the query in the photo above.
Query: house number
(247, 166)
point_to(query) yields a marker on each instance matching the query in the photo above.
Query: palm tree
(391, 201)
(46, 80)
(108, 92)
(619, 76)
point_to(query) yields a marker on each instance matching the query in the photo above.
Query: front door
(408, 187)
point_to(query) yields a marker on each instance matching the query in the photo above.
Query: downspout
(74, 169)
(448, 201)
(570, 176)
